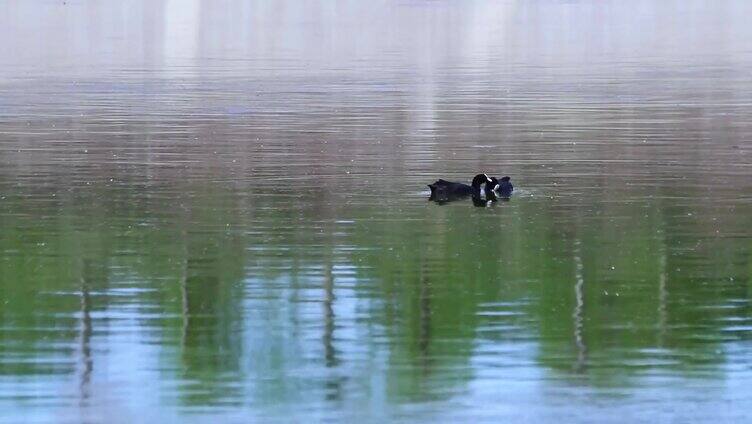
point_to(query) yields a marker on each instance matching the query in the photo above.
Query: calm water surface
(218, 210)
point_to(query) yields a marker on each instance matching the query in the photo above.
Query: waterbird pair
(444, 191)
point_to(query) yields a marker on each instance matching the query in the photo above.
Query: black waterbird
(444, 191)
(505, 187)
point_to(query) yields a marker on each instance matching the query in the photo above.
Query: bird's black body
(443, 191)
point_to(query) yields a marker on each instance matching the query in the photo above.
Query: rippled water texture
(217, 209)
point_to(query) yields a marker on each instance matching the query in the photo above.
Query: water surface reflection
(202, 217)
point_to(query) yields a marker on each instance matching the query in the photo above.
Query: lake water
(217, 210)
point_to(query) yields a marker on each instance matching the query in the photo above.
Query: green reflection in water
(288, 299)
